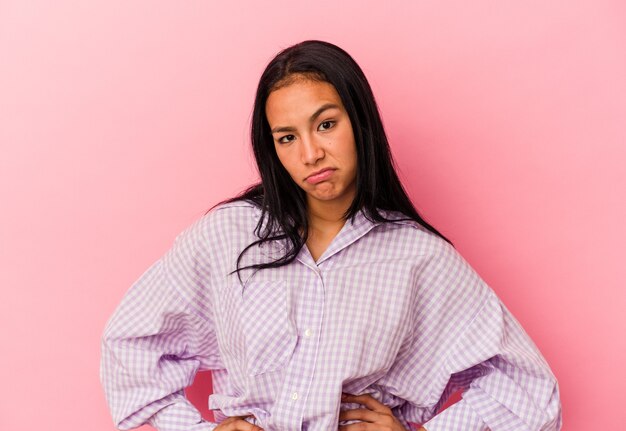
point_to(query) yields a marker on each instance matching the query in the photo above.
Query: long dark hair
(281, 200)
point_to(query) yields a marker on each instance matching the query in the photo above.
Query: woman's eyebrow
(319, 110)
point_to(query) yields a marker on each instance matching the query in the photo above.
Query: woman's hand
(237, 423)
(376, 417)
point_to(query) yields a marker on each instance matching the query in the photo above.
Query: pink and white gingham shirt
(389, 309)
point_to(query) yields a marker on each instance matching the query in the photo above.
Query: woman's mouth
(320, 176)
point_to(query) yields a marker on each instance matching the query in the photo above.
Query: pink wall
(122, 122)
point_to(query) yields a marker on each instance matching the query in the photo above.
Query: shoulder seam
(236, 204)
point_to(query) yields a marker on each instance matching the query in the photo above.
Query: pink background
(122, 122)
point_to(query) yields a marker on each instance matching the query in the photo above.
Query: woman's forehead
(300, 97)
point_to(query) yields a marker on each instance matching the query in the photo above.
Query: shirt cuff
(459, 416)
(180, 416)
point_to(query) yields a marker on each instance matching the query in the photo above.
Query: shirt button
(294, 396)
(308, 332)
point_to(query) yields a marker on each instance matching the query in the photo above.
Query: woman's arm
(158, 338)
(464, 339)
(513, 389)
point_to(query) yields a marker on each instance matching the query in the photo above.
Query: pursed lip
(319, 172)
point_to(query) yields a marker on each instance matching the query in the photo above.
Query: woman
(319, 298)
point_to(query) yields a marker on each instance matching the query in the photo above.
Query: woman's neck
(326, 219)
(326, 216)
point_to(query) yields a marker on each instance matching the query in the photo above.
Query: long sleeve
(512, 389)
(157, 339)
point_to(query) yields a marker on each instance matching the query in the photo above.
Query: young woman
(319, 298)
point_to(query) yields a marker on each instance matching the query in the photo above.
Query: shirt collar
(351, 231)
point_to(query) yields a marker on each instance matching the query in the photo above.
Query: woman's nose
(312, 150)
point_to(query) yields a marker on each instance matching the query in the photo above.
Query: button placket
(299, 373)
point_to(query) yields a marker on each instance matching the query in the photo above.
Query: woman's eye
(329, 124)
(285, 142)
(323, 126)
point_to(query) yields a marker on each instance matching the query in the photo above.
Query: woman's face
(313, 139)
